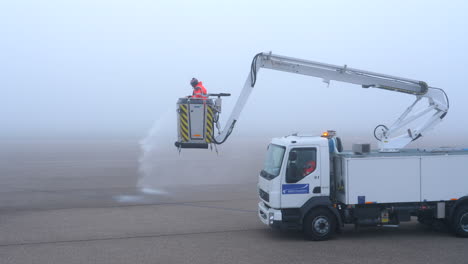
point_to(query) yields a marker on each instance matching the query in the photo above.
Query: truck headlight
(271, 217)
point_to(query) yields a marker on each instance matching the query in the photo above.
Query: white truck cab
(296, 169)
(291, 181)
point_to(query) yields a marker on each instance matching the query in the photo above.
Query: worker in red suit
(199, 91)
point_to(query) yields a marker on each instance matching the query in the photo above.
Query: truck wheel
(319, 224)
(461, 222)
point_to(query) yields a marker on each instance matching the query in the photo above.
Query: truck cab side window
(301, 163)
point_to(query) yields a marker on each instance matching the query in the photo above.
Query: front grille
(264, 195)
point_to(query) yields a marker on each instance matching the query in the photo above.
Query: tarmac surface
(77, 203)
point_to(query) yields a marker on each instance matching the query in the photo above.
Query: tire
(460, 222)
(319, 224)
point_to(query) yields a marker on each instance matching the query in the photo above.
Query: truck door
(302, 179)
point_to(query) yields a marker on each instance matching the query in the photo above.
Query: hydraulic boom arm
(388, 139)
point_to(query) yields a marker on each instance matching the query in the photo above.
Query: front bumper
(278, 219)
(269, 216)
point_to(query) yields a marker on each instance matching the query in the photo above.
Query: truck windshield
(273, 161)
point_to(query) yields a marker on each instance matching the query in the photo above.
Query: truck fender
(453, 210)
(320, 201)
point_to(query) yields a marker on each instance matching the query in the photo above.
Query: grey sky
(113, 67)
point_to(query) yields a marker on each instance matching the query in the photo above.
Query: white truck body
(412, 176)
(372, 188)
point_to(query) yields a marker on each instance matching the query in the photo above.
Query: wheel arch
(321, 202)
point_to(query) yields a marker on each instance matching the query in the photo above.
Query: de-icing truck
(310, 183)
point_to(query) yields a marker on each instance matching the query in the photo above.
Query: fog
(110, 68)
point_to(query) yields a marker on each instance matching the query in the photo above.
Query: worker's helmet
(194, 82)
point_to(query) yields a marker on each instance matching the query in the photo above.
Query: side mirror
(292, 156)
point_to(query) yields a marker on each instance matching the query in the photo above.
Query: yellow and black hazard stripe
(184, 126)
(209, 124)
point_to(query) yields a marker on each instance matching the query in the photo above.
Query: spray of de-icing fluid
(150, 146)
(148, 164)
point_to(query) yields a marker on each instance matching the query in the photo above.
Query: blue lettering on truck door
(295, 188)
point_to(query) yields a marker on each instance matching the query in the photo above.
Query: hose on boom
(231, 128)
(253, 70)
(253, 80)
